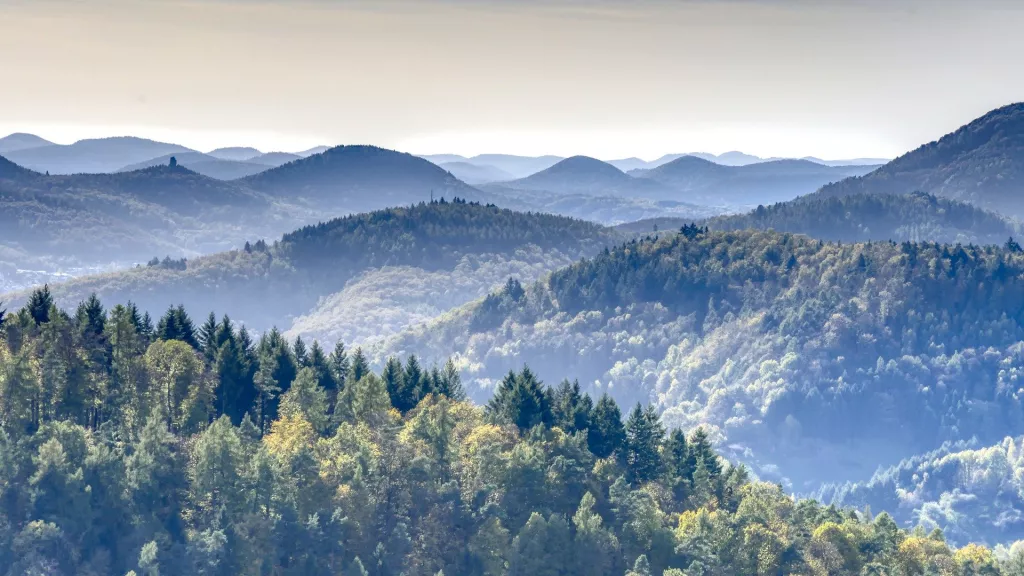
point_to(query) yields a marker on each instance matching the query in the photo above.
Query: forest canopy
(134, 446)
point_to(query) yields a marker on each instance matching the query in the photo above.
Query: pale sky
(829, 78)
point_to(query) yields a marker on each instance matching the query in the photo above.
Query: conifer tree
(39, 304)
(339, 365)
(521, 400)
(208, 338)
(571, 407)
(606, 434)
(644, 435)
(359, 366)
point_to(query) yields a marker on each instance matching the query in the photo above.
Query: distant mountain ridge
(981, 163)
(21, 141)
(101, 155)
(702, 181)
(453, 251)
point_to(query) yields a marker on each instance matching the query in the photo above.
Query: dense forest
(134, 446)
(463, 247)
(970, 492)
(817, 361)
(979, 163)
(862, 217)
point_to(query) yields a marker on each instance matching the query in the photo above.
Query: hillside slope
(584, 175)
(819, 361)
(702, 181)
(981, 163)
(441, 254)
(205, 164)
(93, 156)
(361, 178)
(972, 493)
(863, 217)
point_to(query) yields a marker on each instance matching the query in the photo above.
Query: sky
(828, 78)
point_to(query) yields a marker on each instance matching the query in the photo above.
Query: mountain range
(353, 277)
(104, 155)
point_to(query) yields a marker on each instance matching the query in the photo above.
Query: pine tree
(451, 382)
(700, 448)
(339, 365)
(521, 400)
(393, 376)
(208, 338)
(321, 366)
(301, 357)
(571, 407)
(39, 304)
(91, 318)
(606, 434)
(412, 382)
(644, 435)
(359, 367)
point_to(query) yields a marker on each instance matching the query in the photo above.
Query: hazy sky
(609, 79)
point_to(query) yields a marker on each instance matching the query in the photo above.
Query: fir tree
(606, 434)
(644, 435)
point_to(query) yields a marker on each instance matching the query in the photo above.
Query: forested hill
(862, 217)
(970, 492)
(825, 360)
(360, 178)
(981, 163)
(126, 216)
(703, 182)
(584, 175)
(437, 255)
(134, 446)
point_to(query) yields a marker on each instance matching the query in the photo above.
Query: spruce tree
(339, 365)
(644, 435)
(521, 400)
(570, 407)
(208, 338)
(606, 434)
(39, 304)
(359, 367)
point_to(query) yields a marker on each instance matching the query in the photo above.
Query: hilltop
(863, 217)
(411, 264)
(204, 164)
(476, 173)
(981, 163)
(95, 156)
(780, 343)
(359, 178)
(21, 141)
(702, 181)
(585, 175)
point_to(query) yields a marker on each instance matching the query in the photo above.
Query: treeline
(863, 217)
(124, 449)
(267, 283)
(781, 343)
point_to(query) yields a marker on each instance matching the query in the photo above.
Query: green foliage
(131, 460)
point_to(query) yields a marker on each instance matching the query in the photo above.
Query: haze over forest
(511, 288)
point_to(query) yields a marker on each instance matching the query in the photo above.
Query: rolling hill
(863, 217)
(92, 156)
(21, 141)
(476, 173)
(359, 178)
(702, 181)
(275, 159)
(517, 166)
(585, 175)
(352, 277)
(235, 153)
(981, 163)
(814, 361)
(972, 493)
(204, 164)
